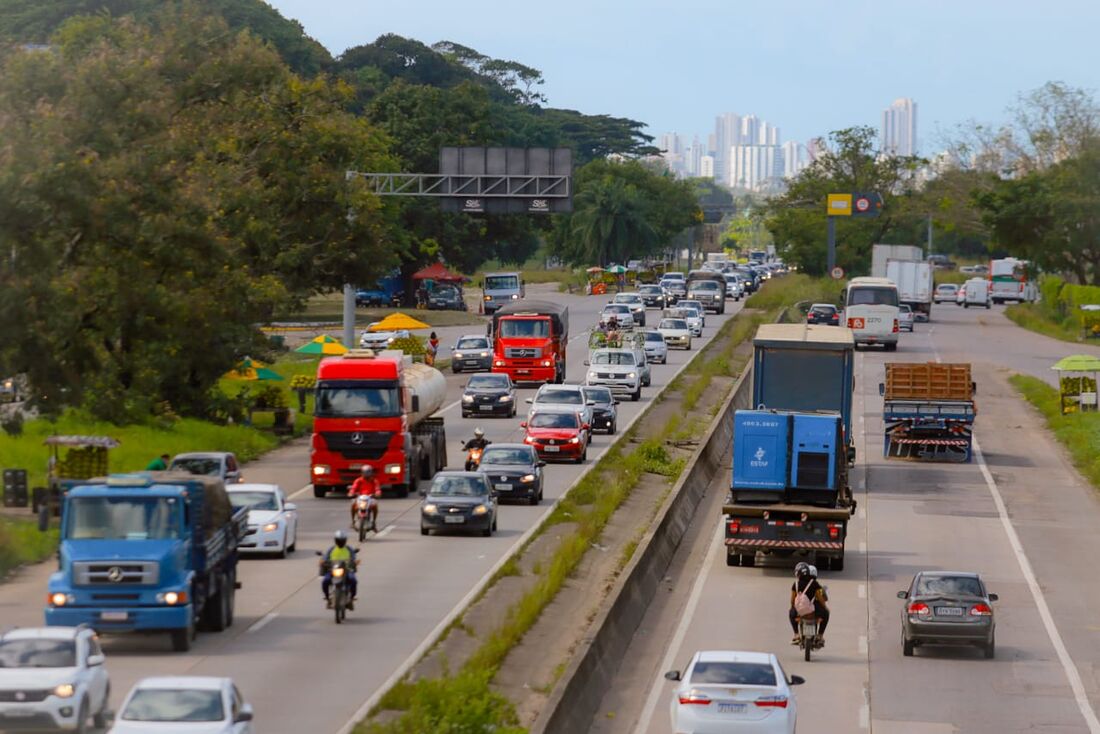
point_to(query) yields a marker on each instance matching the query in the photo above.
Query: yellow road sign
(840, 205)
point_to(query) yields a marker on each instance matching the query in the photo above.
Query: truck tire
(181, 639)
(748, 560)
(836, 563)
(216, 611)
(231, 597)
(733, 559)
(319, 492)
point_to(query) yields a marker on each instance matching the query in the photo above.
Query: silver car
(636, 305)
(220, 464)
(655, 348)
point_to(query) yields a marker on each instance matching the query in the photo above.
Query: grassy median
(21, 542)
(1078, 432)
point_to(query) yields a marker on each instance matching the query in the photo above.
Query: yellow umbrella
(252, 369)
(322, 345)
(398, 321)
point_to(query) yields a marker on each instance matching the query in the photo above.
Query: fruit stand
(73, 459)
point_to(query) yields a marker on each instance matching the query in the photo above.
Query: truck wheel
(733, 559)
(217, 611)
(230, 598)
(319, 492)
(836, 563)
(181, 639)
(748, 560)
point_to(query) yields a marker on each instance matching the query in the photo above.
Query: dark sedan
(652, 295)
(514, 471)
(472, 354)
(446, 299)
(491, 394)
(459, 500)
(947, 608)
(605, 416)
(823, 313)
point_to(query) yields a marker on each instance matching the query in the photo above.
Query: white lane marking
(862, 547)
(1037, 596)
(861, 591)
(681, 631)
(864, 717)
(861, 513)
(385, 531)
(301, 491)
(449, 407)
(863, 645)
(262, 622)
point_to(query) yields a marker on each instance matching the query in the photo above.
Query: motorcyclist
(806, 583)
(340, 551)
(477, 442)
(366, 484)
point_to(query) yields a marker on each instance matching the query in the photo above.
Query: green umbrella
(322, 345)
(1078, 363)
(617, 269)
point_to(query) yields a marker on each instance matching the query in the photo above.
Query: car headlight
(527, 478)
(430, 509)
(575, 439)
(488, 298)
(631, 375)
(505, 398)
(528, 439)
(65, 690)
(591, 375)
(392, 469)
(271, 527)
(483, 354)
(457, 355)
(320, 469)
(172, 598)
(480, 510)
(515, 296)
(467, 398)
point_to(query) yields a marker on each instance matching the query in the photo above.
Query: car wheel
(906, 646)
(990, 648)
(99, 718)
(637, 395)
(612, 428)
(534, 498)
(281, 553)
(494, 525)
(82, 717)
(423, 530)
(293, 541)
(487, 532)
(455, 370)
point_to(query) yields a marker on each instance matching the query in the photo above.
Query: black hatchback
(605, 416)
(514, 471)
(491, 394)
(947, 608)
(823, 313)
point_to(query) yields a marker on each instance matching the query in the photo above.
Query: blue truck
(928, 411)
(147, 552)
(790, 492)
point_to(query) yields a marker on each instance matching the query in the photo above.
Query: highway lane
(301, 671)
(1025, 522)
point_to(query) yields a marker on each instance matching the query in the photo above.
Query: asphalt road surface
(1018, 514)
(300, 671)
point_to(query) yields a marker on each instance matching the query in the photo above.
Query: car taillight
(735, 527)
(919, 609)
(779, 702)
(895, 326)
(836, 317)
(981, 610)
(694, 697)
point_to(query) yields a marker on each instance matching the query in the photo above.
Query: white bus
(871, 311)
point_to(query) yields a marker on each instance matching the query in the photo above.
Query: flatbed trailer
(928, 412)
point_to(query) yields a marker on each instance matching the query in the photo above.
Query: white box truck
(915, 285)
(881, 253)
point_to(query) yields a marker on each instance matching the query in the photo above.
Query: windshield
(674, 276)
(37, 654)
(823, 309)
(650, 289)
(473, 343)
(704, 285)
(496, 382)
(598, 394)
(947, 288)
(949, 586)
(525, 328)
(616, 309)
(628, 298)
(742, 674)
(621, 358)
(872, 296)
(345, 401)
(673, 324)
(554, 420)
(569, 397)
(502, 282)
(122, 518)
(156, 704)
(506, 456)
(254, 500)
(654, 336)
(207, 467)
(459, 486)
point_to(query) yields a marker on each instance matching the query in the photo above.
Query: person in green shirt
(158, 464)
(339, 551)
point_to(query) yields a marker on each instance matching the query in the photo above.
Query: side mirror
(43, 518)
(245, 714)
(94, 660)
(587, 363)
(881, 389)
(672, 675)
(290, 507)
(615, 402)
(903, 594)
(586, 427)
(994, 597)
(318, 553)
(796, 680)
(529, 400)
(524, 423)
(974, 388)
(590, 402)
(540, 463)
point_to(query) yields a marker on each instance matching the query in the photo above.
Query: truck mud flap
(945, 450)
(744, 544)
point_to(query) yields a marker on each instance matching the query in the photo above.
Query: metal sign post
(857, 204)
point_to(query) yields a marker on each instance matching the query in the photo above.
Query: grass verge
(21, 542)
(1033, 317)
(784, 292)
(330, 307)
(1078, 432)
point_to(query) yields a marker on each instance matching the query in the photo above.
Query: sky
(807, 66)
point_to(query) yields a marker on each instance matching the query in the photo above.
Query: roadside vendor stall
(73, 460)
(1078, 389)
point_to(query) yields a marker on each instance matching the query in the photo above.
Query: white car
(634, 302)
(52, 678)
(945, 292)
(184, 704)
(655, 348)
(734, 289)
(562, 396)
(725, 691)
(272, 521)
(693, 318)
(621, 312)
(905, 318)
(698, 306)
(675, 332)
(616, 369)
(380, 339)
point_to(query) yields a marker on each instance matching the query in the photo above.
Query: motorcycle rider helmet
(367, 470)
(478, 433)
(813, 571)
(340, 538)
(802, 569)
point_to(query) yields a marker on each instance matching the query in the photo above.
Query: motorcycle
(339, 594)
(473, 458)
(808, 638)
(363, 523)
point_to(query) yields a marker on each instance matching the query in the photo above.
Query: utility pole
(929, 236)
(349, 315)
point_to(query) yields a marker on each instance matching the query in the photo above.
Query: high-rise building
(727, 132)
(767, 134)
(898, 134)
(706, 166)
(755, 167)
(794, 158)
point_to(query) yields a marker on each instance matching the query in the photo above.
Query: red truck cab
(529, 341)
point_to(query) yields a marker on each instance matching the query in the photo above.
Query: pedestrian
(158, 464)
(433, 348)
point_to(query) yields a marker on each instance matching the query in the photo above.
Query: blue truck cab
(147, 552)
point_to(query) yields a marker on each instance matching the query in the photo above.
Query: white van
(977, 293)
(871, 311)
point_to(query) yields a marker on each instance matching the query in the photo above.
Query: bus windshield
(872, 296)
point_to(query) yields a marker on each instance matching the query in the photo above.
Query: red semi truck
(376, 408)
(529, 341)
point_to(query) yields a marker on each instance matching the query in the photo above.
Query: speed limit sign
(863, 204)
(837, 272)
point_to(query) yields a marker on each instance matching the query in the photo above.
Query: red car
(557, 435)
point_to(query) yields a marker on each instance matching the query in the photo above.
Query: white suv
(617, 369)
(52, 678)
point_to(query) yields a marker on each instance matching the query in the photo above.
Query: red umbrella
(437, 272)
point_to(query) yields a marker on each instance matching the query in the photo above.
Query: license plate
(114, 616)
(484, 407)
(454, 519)
(551, 449)
(731, 708)
(19, 713)
(523, 372)
(471, 363)
(503, 487)
(949, 611)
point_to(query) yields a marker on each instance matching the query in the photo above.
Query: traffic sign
(866, 204)
(863, 204)
(837, 273)
(839, 205)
